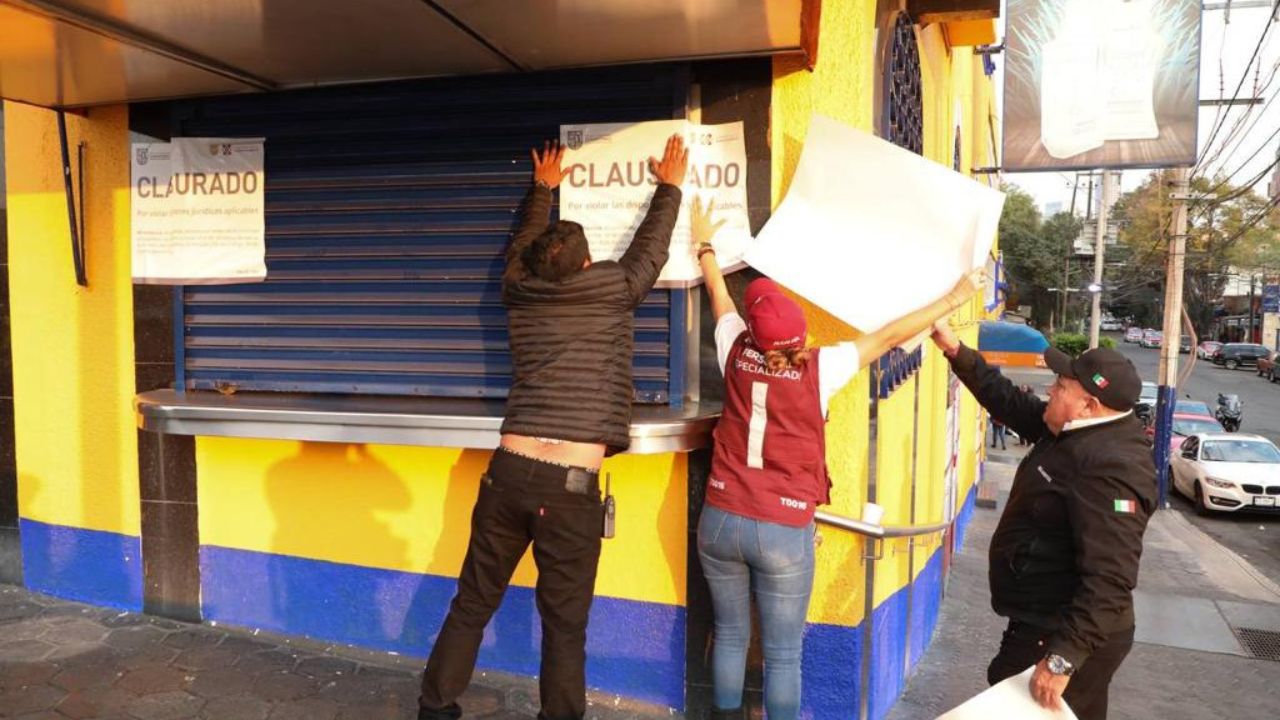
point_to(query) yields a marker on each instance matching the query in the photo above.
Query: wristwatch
(1059, 665)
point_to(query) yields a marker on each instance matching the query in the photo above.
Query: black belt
(512, 466)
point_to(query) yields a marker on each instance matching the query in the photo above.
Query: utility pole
(1098, 253)
(1248, 333)
(1172, 329)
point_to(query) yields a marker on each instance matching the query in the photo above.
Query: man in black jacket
(1064, 558)
(571, 327)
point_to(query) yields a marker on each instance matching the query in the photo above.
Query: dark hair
(559, 252)
(779, 360)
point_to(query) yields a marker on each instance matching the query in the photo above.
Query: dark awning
(70, 53)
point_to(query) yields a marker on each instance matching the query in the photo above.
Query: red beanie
(775, 321)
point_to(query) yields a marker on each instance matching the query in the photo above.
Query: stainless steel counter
(433, 422)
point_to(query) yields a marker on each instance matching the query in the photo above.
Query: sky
(1226, 50)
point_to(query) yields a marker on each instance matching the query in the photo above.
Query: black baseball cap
(1103, 372)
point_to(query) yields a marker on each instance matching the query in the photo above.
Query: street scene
(640, 360)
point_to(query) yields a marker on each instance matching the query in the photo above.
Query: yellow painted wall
(73, 373)
(409, 509)
(842, 86)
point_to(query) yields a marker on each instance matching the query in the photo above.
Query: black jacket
(572, 340)
(1065, 553)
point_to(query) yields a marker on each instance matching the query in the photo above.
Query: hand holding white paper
(869, 231)
(1007, 700)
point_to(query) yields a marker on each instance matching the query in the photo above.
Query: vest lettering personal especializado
(769, 461)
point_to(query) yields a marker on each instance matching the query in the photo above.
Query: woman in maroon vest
(769, 471)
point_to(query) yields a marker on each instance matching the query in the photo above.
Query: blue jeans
(742, 557)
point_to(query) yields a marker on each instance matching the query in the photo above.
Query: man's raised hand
(671, 168)
(546, 165)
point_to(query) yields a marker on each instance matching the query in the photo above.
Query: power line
(1218, 126)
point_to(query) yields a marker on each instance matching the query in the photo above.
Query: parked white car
(1228, 472)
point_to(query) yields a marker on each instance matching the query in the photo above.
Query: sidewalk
(61, 660)
(1193, 598)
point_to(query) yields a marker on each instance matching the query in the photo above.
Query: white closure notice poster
(608, 185)
(869, 231)
(198, 214)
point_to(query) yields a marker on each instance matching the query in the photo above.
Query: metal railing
(878, 532)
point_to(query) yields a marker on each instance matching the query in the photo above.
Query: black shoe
(739, 713)
(451, 712)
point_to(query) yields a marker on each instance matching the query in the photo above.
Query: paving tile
(267, 661)
(173, 705)
(149, 656)
(70, 652)
(205, 658)
(153, 680)
(480, 701)
(306, 709)
(283, 686)
(66, 612)
(236, 707)
(80, 630)
(80, 677)
(16, 674)
(193, 637)
(222, 682)
(1251, 615)
(380, 708)
(23, 651)
(26, 629)
(244, 644)
(30, 698)
(19, 611)
(124, 619)
(132, 638)
(95, 702)
(1189, 623)
(326, 667)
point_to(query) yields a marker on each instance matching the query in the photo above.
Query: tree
(1035, 253)
(1019, 230)
(1230, 228)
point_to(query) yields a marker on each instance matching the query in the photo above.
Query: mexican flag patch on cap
(1126, 506)
(1101, 382)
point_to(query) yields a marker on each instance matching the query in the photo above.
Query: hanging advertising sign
(1271, 299)
(608, 185)
(197, 211)
(1101, 84)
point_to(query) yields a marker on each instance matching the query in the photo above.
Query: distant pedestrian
(1022, 439)
(1064, 558)
(997, 433)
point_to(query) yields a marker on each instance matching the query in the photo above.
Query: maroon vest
(770, 457)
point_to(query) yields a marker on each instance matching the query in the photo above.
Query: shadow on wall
(426, 611)
(326, 494)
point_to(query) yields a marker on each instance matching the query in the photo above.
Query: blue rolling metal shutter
(388, 210)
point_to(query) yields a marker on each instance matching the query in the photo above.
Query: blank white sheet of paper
(870, 232)
(1007, 700)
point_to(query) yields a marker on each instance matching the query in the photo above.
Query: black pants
(521, 501)
(1023, 646)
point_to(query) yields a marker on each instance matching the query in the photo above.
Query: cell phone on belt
(610, 509)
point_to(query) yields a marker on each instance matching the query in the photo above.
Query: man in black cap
(1064, 558)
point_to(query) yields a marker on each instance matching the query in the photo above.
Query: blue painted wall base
(91, 566)
(636, 649)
